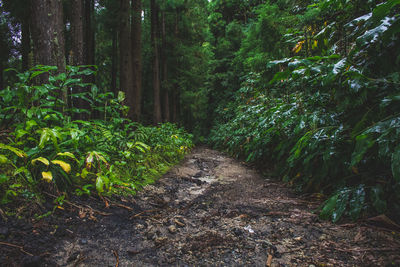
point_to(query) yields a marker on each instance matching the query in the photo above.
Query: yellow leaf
(47, 176)
(42, 160)
(298, 47)
(65, 166)
(315, 44)
(67, 154)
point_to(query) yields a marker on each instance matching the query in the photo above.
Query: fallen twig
(80, 259)
(80, 207)
(141, 213)
(21, 248)
(116, 257)
(270, 257)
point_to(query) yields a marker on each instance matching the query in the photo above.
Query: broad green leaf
(16, 151)
(30, 124)
(67, 154)
(3, 178)
(20, 133)
(121, 96)
(42, 160)
(341, 203)
(363, 143)
(101, 183)
(3, 159)
(329, 207)
(357, 202)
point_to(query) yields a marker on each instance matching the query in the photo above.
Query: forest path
(210, 210)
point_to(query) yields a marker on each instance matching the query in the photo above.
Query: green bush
(329, 123)
(46, 149)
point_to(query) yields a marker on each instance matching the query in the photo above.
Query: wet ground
(211, 210)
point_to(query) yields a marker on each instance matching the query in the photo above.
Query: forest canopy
(95, 94)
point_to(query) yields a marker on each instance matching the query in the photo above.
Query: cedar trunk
(137, 59)
(114, 62)
(48, 36)
(156, 64)
(165, 70)
(78, 50)
(125, 79)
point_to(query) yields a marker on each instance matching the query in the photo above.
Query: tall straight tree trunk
(156, 64)
(78, 50)
(48, 36)
(175, 95)
(89, 32)
(125, 72)
(164, 66)
(137, 58)
(114, 62)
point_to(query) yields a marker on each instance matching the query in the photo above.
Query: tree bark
(77, 32)
(137, 59)
(48, 36)
(114, 63)
(89, 33)
(164, 66)
(174, 93)
(156, 64)
(78, 51)
(125, 78)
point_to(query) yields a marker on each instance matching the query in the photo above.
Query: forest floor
(210, 210)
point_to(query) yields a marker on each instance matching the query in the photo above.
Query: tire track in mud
(212, 210)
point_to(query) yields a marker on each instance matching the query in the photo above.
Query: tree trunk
(175, 95)
(78, 51)
(137, 59)
(125, 72)
(89, 33)
(165, 70)
(48, 36)
(156, 64)
(114, 63)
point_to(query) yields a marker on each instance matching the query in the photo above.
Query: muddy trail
(210, 210)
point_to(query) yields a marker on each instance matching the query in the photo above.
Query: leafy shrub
(46, 149)
(329, 123)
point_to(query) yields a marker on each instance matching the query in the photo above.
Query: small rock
(140, 226)
(83, 241)
(133, 250)
(197, 175)
(172, 229)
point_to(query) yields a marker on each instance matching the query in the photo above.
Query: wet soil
(210, 210)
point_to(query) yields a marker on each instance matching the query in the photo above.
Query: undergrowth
(45, 146)
(328, 123)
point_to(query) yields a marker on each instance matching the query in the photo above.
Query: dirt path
(210, 210)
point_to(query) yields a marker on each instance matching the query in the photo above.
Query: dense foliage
(309, 88)
(328, 121)
(45, 148)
